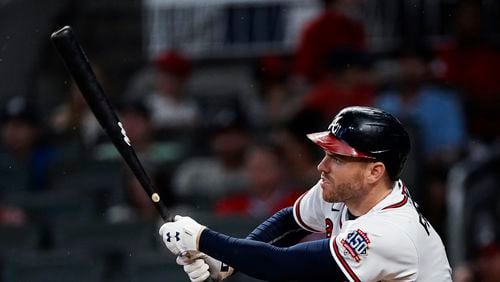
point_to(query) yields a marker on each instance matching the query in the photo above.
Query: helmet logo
(334, 127)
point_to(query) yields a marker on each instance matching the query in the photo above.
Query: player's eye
(336, 159)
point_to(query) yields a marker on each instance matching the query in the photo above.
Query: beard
(340, 192)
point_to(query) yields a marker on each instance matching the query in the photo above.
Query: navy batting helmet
(365, 132)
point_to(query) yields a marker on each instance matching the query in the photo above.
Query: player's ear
(375, 171)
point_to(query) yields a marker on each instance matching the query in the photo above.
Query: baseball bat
(78, 65)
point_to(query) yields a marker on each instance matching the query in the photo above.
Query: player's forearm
(279, 230)
(275, 263)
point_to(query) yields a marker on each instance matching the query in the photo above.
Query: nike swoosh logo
(335, 210)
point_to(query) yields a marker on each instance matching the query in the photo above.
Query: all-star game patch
(356, 244)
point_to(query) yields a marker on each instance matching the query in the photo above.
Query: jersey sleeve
(308, 210)
(374, 252)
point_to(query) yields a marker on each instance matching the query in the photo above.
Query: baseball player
(374, 231)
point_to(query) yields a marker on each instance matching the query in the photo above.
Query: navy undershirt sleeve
(309, 261)
(281, 229)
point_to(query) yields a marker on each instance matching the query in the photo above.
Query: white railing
(224, 27)
(235, 28)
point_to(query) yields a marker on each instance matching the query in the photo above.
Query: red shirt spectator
(245, 204)
(328, 97)
(473, 68)
(330, 30)
(267, 190)
(12, 216)
(471, 64)
(347, 82)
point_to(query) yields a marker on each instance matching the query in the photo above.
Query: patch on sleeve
(356, 244)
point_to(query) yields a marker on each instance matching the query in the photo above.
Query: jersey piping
(296, 213)
(344, 266)
(400, 203)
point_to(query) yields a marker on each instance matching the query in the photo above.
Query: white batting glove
(182, 235)
(196, 269)
(217, 270)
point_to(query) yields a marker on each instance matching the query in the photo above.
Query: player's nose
(322, 166)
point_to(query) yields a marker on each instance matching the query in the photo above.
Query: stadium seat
(52, 267)
(103, 238)
(47, 206)
(161, 266)
(152, 267)
(18, 239)
(95, 178)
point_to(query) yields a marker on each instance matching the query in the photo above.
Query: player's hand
(182, 235)
(195, 268)
(217, 270)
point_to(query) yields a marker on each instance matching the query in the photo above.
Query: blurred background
(216, 97)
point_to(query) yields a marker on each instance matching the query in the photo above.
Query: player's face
(342, 178)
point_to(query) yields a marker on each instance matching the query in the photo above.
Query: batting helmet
(365, 132)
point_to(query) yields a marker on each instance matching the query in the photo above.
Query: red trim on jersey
(404, 192)
(343, 262)
(404, 189)
(397, 205)
(299, 218)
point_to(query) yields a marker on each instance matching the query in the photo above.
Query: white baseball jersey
(392, 242)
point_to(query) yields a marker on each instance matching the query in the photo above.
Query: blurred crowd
(229, 155)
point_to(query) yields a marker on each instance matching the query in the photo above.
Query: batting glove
(218, 271)
(182, 235)
(196, 268)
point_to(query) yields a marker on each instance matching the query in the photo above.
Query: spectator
(436, 111)
(208, 178)
(74, 123)
(25, 157)
(330, 30)
(136, 204)
(268, 189)
(136, 120)
(485, 267)
(277, 97)
(471, 64)
(170, 107)
(12, 216)
(346, 83)
(300, 155)
(488, 263)
(440, 132)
